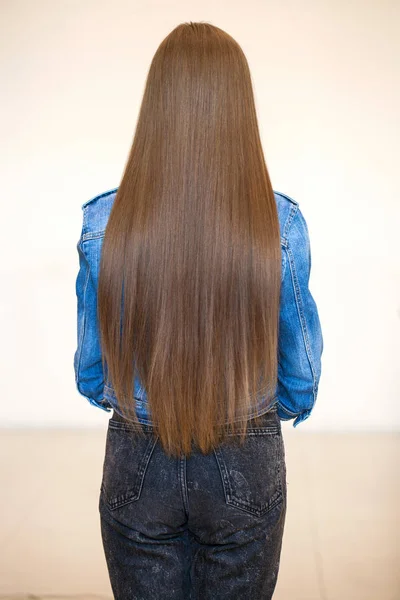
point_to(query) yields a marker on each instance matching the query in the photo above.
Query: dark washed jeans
(206, 527)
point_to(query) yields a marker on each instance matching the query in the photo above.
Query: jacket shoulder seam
(294, 206)
(294, 209)
(104, 195)
(287, 197)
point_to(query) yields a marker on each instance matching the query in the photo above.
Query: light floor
(341, 539)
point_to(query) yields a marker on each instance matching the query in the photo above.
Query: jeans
(203, 527)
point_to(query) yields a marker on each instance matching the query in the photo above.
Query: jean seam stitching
(183, 483)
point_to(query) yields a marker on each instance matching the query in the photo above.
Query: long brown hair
(190, 272)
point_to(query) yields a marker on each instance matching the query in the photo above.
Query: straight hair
(190, 270)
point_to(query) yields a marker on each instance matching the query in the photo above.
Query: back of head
(189, 280)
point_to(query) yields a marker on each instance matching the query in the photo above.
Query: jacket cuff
(101, 404)
(286, 415)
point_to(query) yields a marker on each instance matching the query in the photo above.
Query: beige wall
(326, 80)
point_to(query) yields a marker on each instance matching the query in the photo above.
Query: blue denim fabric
(300, 335)
(202, 527)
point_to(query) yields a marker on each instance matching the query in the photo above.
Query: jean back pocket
(252, 472)
(126, 460)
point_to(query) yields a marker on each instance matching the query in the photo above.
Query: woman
(197, 329)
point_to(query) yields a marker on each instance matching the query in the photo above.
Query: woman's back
(196, 326)
(300, 337)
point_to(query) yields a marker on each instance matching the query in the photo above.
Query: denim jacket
(300, 335)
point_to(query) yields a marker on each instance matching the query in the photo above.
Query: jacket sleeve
(88, 366)
(300, 335)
